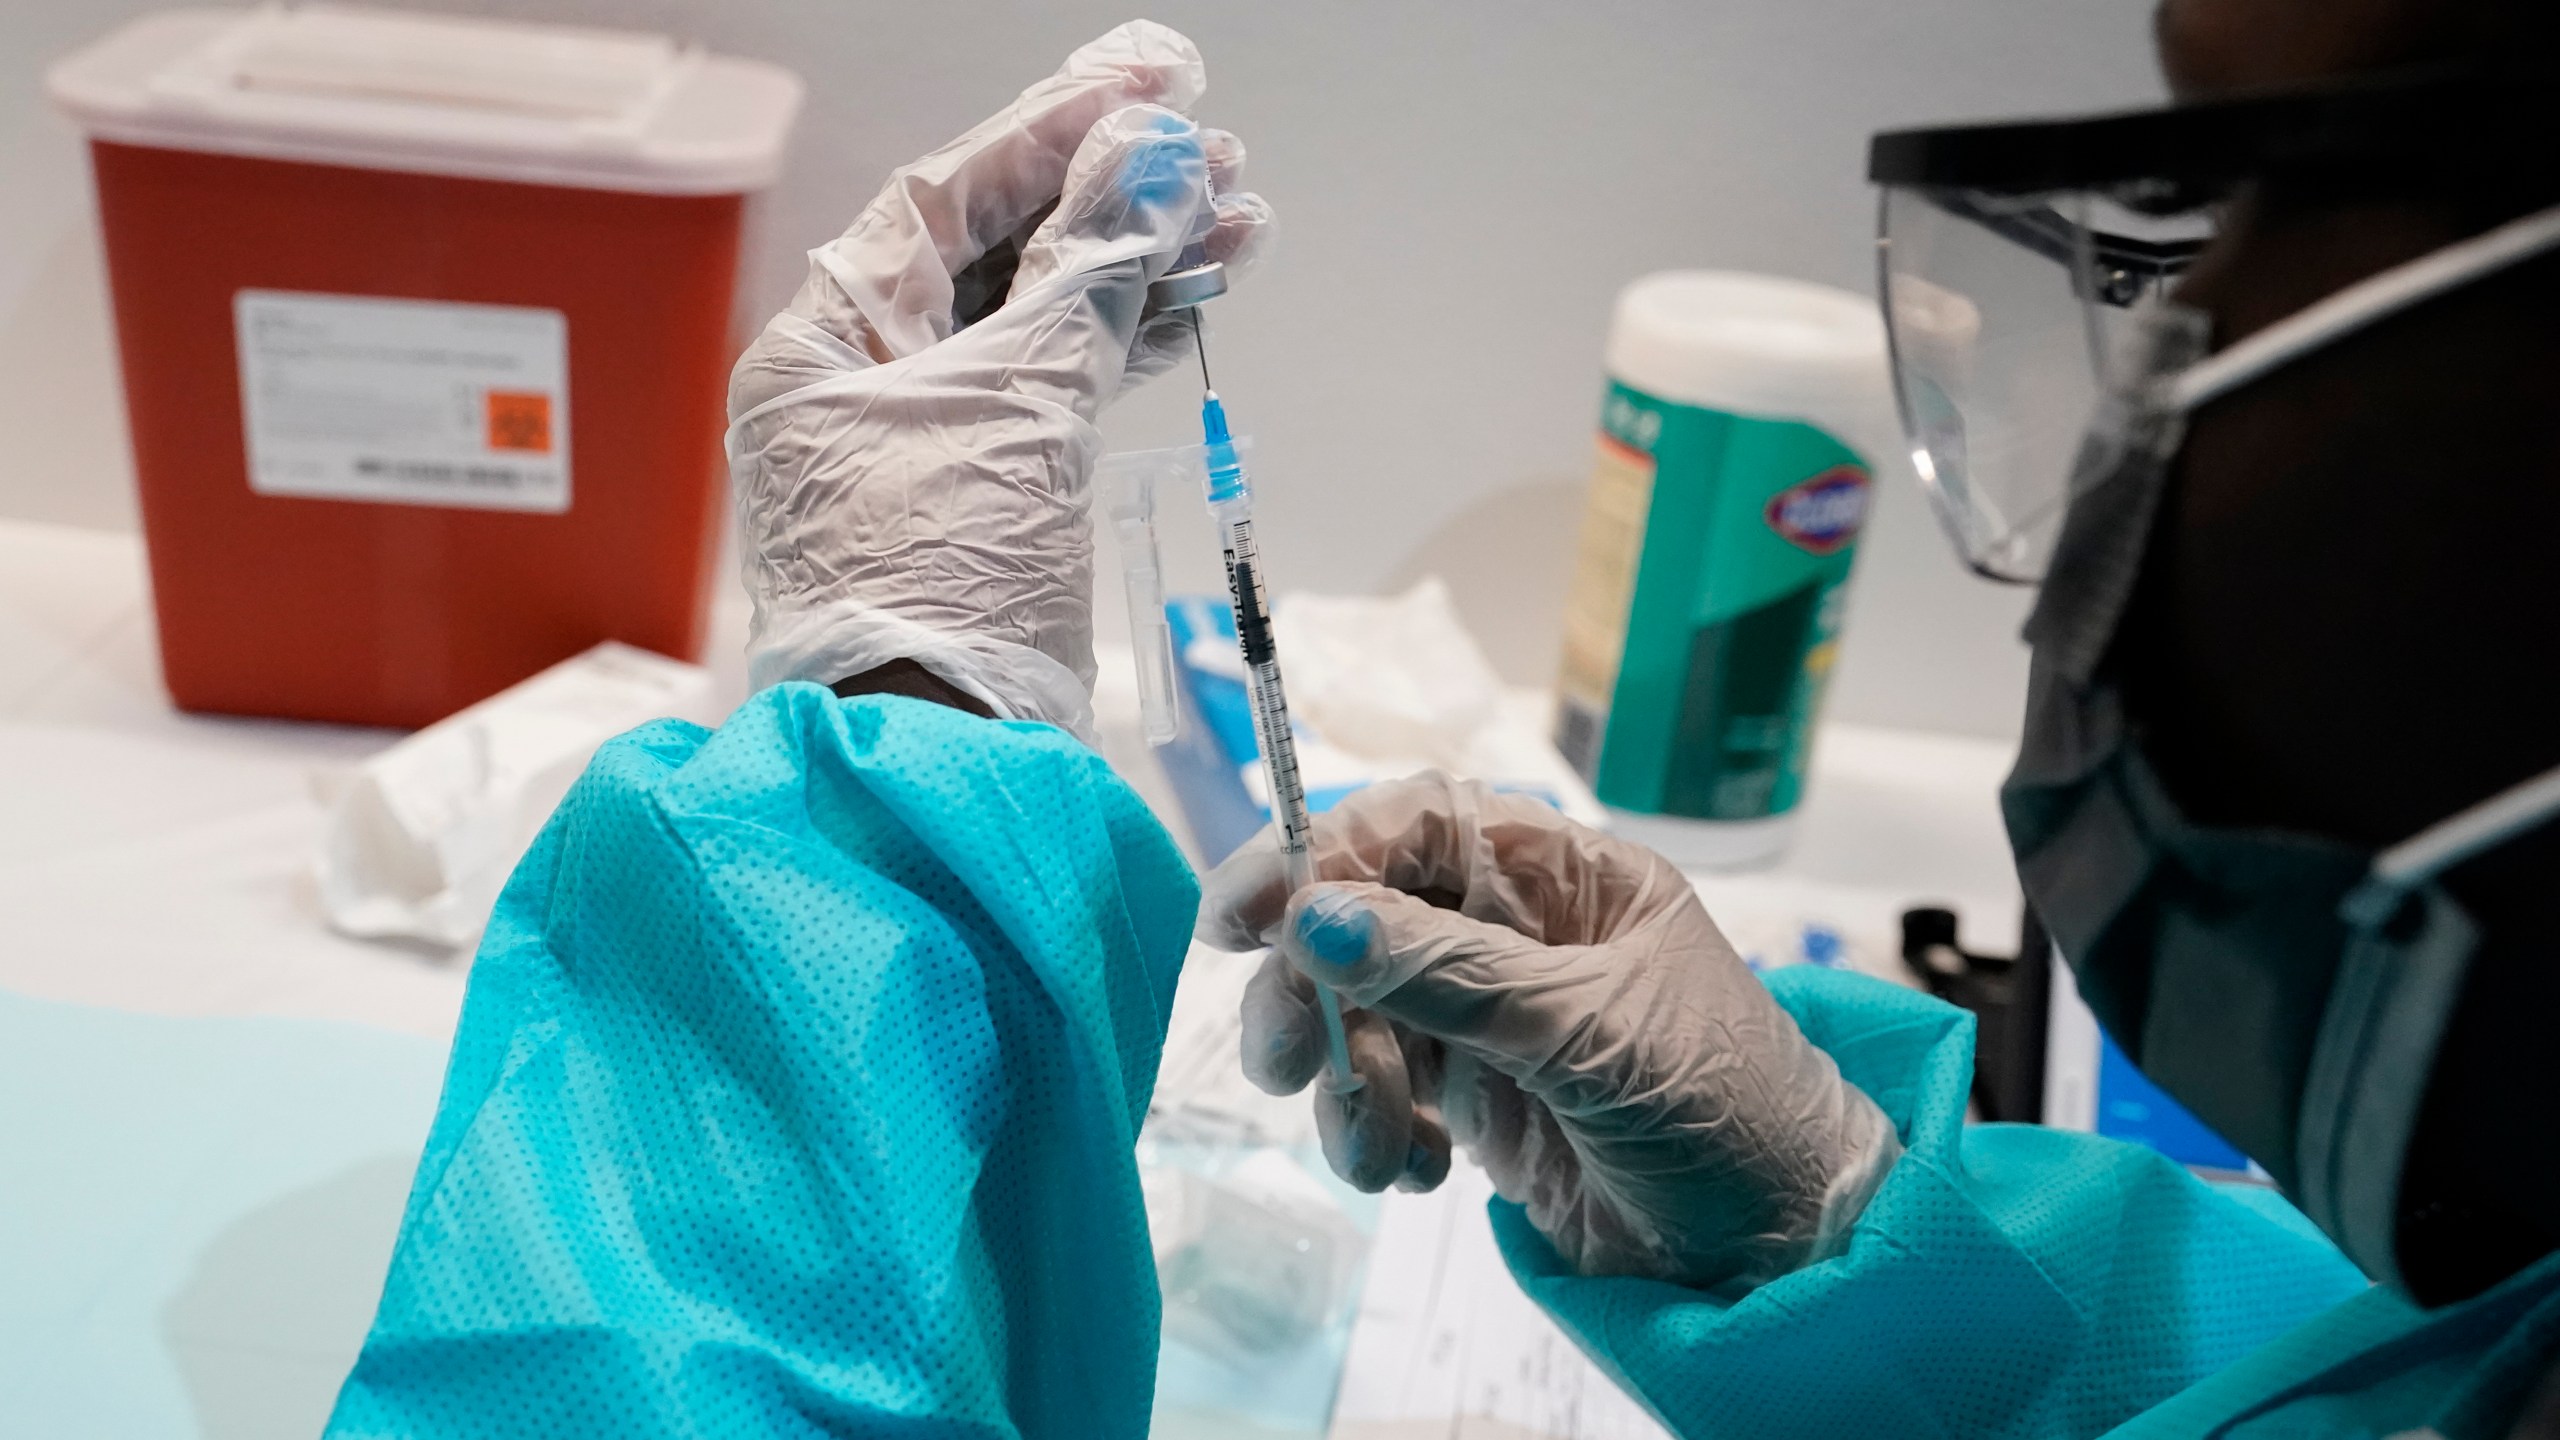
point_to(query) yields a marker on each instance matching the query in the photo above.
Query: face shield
(2006, 317)
(2016, 262)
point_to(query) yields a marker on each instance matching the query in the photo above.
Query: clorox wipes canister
(1725, 505)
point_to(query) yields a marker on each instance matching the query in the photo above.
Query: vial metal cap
(1185, 288)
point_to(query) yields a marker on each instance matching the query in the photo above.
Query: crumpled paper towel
(1393, 676)
(421, 837)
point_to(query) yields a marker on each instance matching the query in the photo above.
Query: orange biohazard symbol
(520, 420)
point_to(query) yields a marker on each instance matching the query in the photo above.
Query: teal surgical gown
(795, 1093)
(2014, 1281)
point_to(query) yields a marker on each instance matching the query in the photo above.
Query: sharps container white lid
(483, 99)
(1752, 344)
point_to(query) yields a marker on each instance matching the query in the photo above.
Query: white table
(157, 864)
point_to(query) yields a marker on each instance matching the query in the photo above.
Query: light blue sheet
(194, 1215)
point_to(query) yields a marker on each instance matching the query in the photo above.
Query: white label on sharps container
(409, 402)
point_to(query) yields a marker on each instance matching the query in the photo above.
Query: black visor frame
(2413, 122)
(2184, 157)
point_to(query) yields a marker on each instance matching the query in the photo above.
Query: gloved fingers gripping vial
(911, 441)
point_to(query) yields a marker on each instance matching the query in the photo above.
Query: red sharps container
(425, 327)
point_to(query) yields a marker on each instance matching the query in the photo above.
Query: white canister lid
(1753, 344)
(484, 99)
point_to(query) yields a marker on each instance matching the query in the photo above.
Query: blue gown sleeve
(795, 1093)
(2006, 1280)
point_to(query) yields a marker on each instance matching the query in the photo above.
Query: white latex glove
(905, 491)
(1575, 1021)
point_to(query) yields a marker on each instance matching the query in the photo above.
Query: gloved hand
(1566, 1011)
(905, 491)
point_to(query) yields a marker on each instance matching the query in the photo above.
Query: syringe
(1231, 505)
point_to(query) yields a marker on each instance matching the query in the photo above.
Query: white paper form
(1446, 1347)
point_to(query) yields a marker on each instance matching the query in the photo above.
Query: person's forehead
(2218, 47)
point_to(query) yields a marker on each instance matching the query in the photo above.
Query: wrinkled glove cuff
(847, 637)
(1855, 1185)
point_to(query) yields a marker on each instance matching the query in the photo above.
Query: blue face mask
(2290, 990)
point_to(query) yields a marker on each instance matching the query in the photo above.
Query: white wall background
(1462, 184)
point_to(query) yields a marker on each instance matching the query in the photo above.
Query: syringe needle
(1201, 344)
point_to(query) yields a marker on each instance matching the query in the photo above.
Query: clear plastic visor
(2006, 315)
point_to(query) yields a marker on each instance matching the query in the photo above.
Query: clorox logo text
(1822, 514)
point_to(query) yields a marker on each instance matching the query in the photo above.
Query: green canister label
(1705, 608)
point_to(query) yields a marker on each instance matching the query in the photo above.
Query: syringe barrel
(1299, 862)
(1231, 505)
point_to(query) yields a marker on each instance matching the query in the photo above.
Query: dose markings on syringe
(1229, 502)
